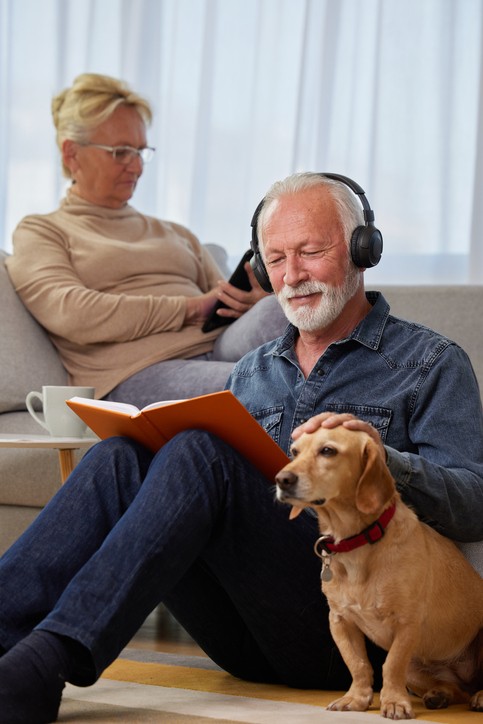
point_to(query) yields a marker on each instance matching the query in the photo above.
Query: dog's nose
(286, 479)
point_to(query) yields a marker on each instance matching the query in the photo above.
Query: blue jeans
(195, 526)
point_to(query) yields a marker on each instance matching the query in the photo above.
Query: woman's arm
(47, 282)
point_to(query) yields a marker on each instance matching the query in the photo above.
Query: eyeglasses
(125, 154)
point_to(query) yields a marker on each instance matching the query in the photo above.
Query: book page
(154, 405)
(123, 407)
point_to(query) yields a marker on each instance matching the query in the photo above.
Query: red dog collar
(371, 534)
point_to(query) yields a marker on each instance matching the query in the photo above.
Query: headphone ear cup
(366, 246)
(260, 272)
(256, 262)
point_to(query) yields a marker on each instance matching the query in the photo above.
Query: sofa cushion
(28, 359)
(220, 255)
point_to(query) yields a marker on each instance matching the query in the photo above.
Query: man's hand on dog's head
(330, 420)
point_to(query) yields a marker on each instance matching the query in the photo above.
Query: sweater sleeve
(45, 279)
(210, 273)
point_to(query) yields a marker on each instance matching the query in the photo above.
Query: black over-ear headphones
(366, 241)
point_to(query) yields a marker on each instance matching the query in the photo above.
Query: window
(248, 91)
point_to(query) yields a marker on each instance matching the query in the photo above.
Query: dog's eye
(327, 451)
(293, 452)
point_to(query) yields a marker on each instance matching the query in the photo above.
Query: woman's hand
(198, 308)
(237, 300)
(331, 419)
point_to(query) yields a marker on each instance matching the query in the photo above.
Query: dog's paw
(400, 709)
(437, 699)
(476, 702)
(395, 702)
(352, 702)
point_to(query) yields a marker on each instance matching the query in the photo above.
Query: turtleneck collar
(75, 204)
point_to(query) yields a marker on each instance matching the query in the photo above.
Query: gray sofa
(28, 360)
(29, 478)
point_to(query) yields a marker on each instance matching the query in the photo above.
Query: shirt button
(321, 372)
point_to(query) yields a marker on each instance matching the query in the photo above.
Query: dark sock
(32, 677)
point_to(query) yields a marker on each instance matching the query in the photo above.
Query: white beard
(332, 301)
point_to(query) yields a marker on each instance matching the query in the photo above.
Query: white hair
(350, 209)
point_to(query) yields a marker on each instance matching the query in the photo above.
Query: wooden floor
(161, 632)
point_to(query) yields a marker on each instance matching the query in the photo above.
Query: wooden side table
(64, 445)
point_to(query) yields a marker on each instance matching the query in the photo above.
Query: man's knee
(118, 450)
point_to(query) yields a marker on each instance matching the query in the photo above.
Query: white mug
(58, 419)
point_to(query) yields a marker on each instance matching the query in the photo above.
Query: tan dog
(412, 591)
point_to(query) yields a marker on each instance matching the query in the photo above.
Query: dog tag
(326, 573)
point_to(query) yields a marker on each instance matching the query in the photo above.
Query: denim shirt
(416, 387)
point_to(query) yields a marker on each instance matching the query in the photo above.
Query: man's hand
(331, 419)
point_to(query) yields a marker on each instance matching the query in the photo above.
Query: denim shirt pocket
(378, 417)
(270, 419)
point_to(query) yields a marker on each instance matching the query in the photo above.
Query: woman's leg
(172, 380)
(262, 323)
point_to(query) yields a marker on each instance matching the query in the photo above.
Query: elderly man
(197, 527)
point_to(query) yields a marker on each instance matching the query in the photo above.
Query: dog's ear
(376, 485)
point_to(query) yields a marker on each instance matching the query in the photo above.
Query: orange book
(220, 413)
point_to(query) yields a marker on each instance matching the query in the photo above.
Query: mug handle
(28, 401)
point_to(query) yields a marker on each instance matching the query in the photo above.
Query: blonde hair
(90, 101)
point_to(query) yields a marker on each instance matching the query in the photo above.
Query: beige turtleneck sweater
(110, 287)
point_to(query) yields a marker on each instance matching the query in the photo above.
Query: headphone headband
(365, 245)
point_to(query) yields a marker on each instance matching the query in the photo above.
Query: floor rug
(145, 686)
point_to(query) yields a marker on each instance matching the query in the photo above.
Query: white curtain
(388, 92)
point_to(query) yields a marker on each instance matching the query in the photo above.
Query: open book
(220, 413)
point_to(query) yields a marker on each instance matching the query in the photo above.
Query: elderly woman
(124, 295)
